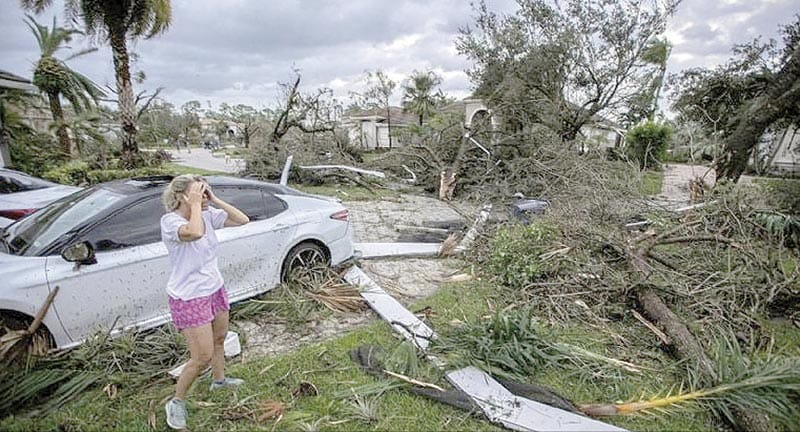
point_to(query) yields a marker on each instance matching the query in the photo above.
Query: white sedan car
(21, 194)
(102, 247)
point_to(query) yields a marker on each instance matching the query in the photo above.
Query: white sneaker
(227, 382)
(176, 414)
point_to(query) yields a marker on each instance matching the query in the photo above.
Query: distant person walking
(198, 300)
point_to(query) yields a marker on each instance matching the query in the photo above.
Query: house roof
(379, 115)
(11, 81)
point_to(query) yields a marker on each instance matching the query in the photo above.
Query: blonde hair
(171, 197)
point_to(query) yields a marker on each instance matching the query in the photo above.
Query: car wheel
(303, 258)
(17, 347)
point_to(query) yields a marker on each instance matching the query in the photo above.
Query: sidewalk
(675, 187)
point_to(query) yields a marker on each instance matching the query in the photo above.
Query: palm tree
(418, 94)
(656, 53)
(55, 79)
(116, 21)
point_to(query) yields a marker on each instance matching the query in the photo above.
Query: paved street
(675, 188)
(203, 159)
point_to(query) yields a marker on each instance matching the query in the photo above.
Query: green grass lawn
(350, 399)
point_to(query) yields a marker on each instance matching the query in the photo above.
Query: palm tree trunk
(61, 131)
(127, 106)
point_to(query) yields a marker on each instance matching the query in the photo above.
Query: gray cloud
(709, 30)
(236, 51)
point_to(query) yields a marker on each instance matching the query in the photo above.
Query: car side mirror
(79, 253)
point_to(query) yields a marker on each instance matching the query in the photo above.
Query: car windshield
(11, 182)
(33, 234)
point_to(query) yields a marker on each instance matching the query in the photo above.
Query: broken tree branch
(664, 338)
(344, 167)
(412, 380)
(686, 345)
(286, 168)
(37, 320)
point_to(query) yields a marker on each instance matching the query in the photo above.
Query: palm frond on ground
(769, 386)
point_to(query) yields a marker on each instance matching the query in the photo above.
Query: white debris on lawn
(518, 413)
(499, 404)
(378, 250)
(401, 319)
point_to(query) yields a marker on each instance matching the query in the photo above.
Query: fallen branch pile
(689, 278)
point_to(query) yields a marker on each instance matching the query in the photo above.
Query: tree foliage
(647, 144)
(420, 95)
(117, 21)
(250, 120)
(757, 89)
(56, 80)
(160, 121)
(303, 126)
(644, 105)
(561, 64)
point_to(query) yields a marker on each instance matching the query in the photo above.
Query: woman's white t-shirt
(195, 272)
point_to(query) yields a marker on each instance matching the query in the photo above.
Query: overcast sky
(236, 51)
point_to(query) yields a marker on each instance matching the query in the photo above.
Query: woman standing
(198, 301)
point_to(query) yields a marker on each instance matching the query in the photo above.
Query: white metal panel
(378, 250)
(124, 287)
(519, 413)
(401, 319)
(499, 404)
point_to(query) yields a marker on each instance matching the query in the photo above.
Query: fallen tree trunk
(344, 167)
(685, 344)
(680, 336)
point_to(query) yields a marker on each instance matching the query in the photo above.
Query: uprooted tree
(544, 72)
(302, 125)
(561, 64)
(758, 89)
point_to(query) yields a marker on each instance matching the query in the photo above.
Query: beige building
(780, 152)
(369, 129)
(9, 81)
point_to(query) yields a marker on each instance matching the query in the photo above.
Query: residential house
(219, 128)
(600, 133)
(779, 152)
(369, 129)
(9, 81)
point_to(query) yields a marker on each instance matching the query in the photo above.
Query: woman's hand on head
(194, 195)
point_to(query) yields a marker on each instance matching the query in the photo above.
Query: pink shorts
(198, 311)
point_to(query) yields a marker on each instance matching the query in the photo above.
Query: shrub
(79, 173)
(515, 256)
(73, 172)
(647, 144)
(36, 153)
(783, 195)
